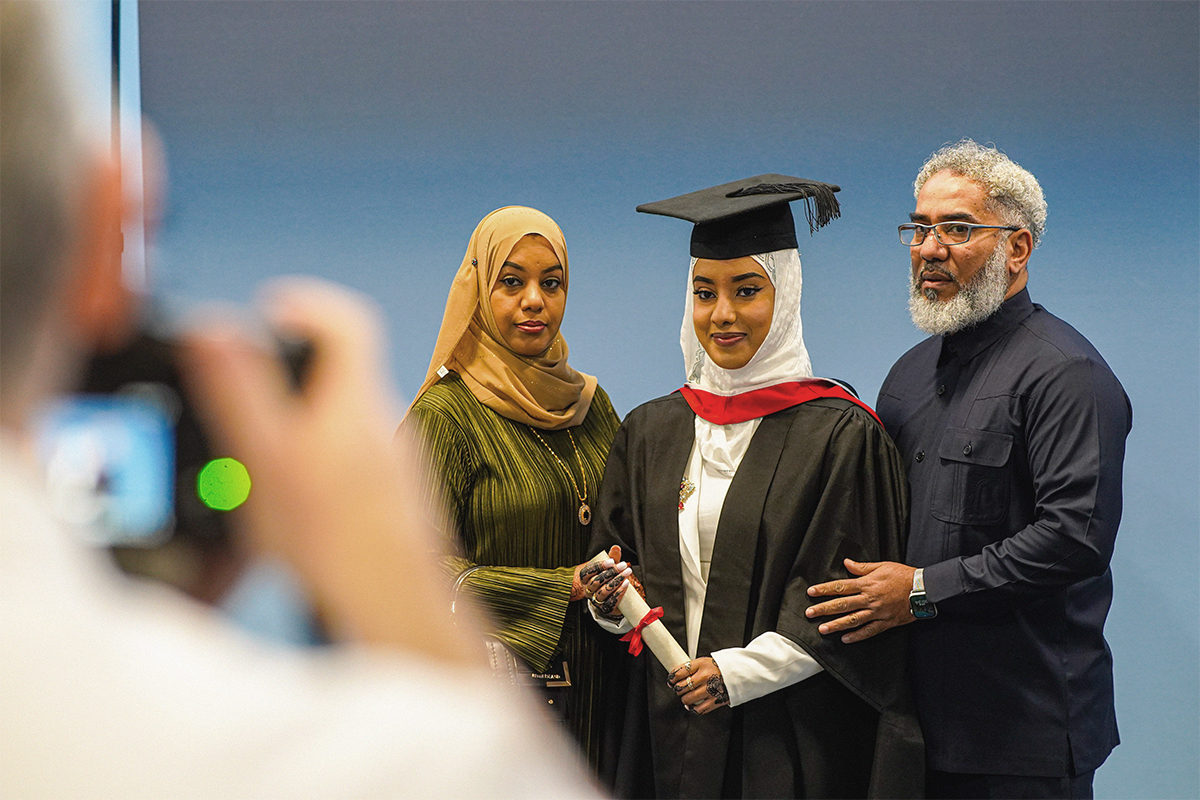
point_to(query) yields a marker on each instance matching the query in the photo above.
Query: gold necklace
(585, 512)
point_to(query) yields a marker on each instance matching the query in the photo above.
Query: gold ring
(689, 683)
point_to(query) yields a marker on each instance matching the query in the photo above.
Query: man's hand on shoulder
(868, 604)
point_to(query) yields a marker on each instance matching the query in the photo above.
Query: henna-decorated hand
(583, 574)
(603, 582)
(590, 570)
(699, 685)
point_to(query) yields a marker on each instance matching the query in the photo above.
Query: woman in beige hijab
(520, 440)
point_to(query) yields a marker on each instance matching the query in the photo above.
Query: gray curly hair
(1013, 193)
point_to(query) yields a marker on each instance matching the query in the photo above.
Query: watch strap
(918, 603)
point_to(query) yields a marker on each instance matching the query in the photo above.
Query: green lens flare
(223, 484)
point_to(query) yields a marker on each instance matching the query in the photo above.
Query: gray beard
(972, 304)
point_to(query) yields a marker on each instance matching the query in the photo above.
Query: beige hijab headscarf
(542, 391)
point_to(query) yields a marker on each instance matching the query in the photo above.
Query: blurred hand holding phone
(347, 504)
(333, 492)
(130, 466)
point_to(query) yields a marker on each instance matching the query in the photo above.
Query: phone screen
(110, 466)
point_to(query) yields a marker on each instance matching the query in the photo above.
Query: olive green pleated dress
(517, 517)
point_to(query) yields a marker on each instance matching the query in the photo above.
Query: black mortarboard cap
(749, 216)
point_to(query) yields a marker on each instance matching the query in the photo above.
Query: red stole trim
(722, 410)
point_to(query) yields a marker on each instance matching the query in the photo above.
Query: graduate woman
(519, 439)
(729, 498)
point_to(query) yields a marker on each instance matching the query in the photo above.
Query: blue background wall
(364, 141)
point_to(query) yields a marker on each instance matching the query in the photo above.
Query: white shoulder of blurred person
(111, 688)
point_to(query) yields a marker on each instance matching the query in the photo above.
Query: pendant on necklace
(585, 514)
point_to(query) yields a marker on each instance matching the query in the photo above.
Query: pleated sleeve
(513, 508)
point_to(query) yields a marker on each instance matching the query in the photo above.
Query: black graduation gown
(819, 482)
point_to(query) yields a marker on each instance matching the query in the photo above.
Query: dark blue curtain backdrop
(363, 141)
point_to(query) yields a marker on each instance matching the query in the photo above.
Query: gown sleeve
(768, 663)
(860, 513)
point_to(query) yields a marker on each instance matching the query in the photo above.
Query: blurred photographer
(116, 688)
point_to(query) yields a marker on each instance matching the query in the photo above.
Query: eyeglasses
(947, 233)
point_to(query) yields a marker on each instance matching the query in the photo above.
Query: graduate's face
(732, 307)
(528, 297)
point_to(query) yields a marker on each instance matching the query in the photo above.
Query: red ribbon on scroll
(634, 637)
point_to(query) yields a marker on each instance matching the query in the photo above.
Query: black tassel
(820, 203)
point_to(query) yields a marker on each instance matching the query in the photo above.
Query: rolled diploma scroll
(655, 635)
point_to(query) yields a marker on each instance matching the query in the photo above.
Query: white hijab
(781, 358)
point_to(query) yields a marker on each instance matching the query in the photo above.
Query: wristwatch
(919, 605)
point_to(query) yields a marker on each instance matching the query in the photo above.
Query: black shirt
(1013, 434)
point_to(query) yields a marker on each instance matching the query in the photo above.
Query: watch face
(921, 607)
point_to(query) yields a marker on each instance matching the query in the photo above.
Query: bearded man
(1012, 429)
